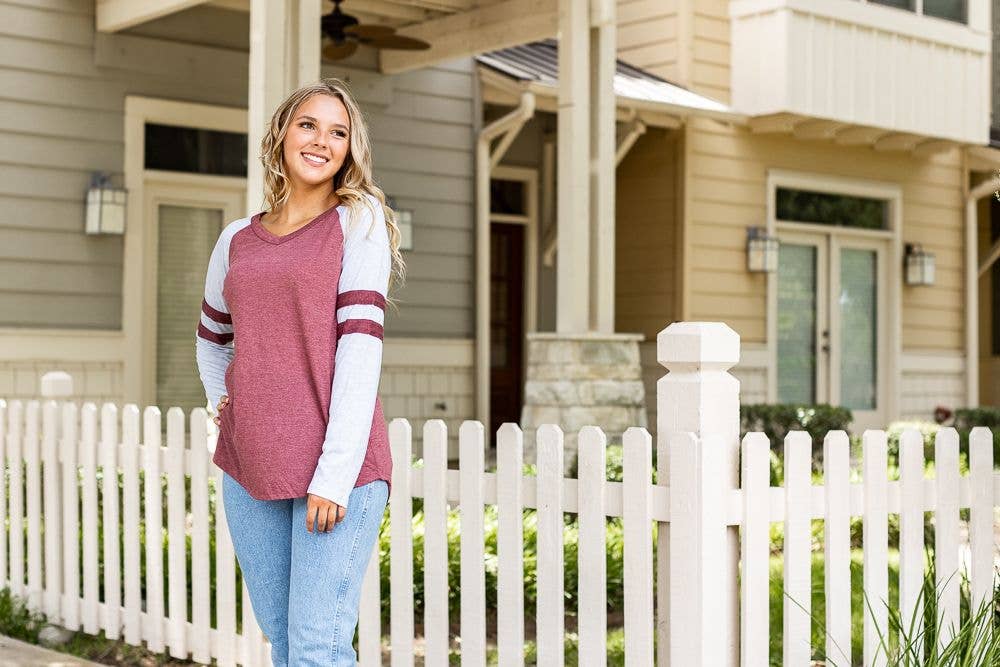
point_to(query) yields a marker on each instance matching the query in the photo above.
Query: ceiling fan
(343, 33)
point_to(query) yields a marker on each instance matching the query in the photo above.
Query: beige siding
(646, 235)
(647, 35)
(62, 118)
(710, 40)
(726, 180)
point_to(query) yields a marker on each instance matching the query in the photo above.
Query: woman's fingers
(322, 514)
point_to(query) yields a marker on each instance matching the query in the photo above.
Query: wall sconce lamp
(105, 206)
(919, 265)
(762, 250)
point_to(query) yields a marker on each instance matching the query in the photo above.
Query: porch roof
(535, 65)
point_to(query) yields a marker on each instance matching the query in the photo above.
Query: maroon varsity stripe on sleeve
(359, 326)
(209, 335)
(216, 315)
(360, 297)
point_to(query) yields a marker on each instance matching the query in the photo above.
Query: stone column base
(577, 380)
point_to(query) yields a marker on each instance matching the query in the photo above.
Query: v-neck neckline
(266, 235)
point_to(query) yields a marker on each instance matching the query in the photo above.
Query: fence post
(700, 396)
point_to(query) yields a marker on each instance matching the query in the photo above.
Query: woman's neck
(301, 207)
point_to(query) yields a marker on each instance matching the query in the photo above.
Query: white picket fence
(712, 559)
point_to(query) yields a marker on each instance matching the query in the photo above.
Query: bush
(776, 420)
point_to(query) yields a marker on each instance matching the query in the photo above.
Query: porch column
(284, 54)
(573, 180)
(602, 166)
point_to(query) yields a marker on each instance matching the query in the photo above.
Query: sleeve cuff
(335, 487)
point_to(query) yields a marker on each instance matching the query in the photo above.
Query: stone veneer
(577, 380)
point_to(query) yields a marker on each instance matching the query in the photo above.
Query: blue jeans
(304, 587)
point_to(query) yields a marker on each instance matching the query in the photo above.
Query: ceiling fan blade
(333, 51)
(398, 42)
(370, 31)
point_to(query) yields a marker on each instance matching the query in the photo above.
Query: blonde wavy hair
(350, 183)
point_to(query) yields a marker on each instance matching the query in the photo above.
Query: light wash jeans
(304, 587)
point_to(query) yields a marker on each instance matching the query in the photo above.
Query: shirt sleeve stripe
(209, 335)
(216, 315)
(359, 326)
(360, 297)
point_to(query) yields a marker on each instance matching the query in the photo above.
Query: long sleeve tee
(291, 330)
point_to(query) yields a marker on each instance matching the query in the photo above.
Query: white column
(700, 396)
(602, 166)
(573, 260)
(284, 54)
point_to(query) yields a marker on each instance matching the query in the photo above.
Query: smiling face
(317, 142)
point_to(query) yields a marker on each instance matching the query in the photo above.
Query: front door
(506, 323)
(187, 223)
(832, 323)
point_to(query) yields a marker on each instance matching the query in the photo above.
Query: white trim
(891, 315)
(439, 352)
(71, 345)
(932, 361)
(139, 330)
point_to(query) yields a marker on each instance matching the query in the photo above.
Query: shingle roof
(539, 62)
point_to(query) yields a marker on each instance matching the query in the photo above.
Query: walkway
(16, 653)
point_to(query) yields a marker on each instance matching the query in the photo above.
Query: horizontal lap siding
(647, 35)
(727, 183)
(62, 115)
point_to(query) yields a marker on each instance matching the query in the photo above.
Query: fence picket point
(153, 499)
(911, 532)
(435, 478)
(637, 520)
(837, 546)
(109, 506)
(201, 601)
(471, 447)
(981, 535)
(52, 504)
(177, 544)
(797, 598)
(876, 547)
(592, 615)
(510, 546)
(755, 549)
(946, 531)
(69, 602)
(401, 540)
(550, 610)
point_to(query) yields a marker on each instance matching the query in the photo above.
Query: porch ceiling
(454, 28)
(849, 134)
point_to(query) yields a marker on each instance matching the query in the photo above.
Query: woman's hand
(218, 409)
(330, 513)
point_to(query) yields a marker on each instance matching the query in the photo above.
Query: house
(563, 207)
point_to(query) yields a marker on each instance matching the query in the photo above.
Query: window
(825, 208)
(952, 10)
(508, 197)
(195, 151)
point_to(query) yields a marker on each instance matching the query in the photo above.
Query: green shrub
(17, 620)
(776, 420)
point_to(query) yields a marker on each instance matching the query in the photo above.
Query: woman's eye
(303, 124)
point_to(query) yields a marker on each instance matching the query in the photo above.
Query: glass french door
(831, 322)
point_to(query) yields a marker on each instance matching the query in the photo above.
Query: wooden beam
(781, 123)
(476, 31)
(859, 136)
(397, 11)
(817, 129)
(898, 141)
(933, 147)
(983, 158)
(115, 15)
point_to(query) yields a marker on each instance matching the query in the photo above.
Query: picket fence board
(755, 547)
(176, 543)
(510, 546)
(876, 546)
(436, 543)
(15, 453)
(946, 531)
(225, 581)
(109, 502)
(69, 596)
(252, 637)
(549, 563)
(52, 510)
(592, 614)
(33, 486)
(153, 497)
(837, 546)
(401, 544)
(472, 617)
(797, 598)
(89, 609)
(199, 639)
(4, 448)
(132, 629)
(661, 504)
(911, 530)
(637, 471)
(369, 615)
(981, 516)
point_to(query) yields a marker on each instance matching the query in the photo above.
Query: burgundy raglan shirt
(291, 330)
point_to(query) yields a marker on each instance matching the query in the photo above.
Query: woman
(304, 452)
